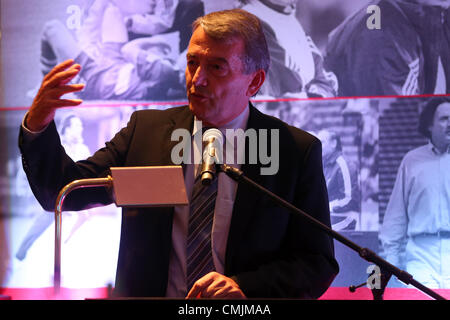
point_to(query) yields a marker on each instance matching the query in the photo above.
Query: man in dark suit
(258, 249)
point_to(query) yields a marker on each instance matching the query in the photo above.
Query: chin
(201, 115)
(207, 122)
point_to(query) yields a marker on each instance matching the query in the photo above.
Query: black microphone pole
(364, 253)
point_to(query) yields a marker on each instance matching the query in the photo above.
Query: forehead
(203, 46)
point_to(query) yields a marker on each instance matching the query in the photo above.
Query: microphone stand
(377, 293)
(364, 253)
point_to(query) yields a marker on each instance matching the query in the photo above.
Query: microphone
(212, 154)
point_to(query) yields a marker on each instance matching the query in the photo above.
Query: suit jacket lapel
(181, 120)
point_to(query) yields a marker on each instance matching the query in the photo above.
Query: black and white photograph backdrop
(356, 74)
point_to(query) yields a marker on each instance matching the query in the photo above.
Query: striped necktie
(201, 213)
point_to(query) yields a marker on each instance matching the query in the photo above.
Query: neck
(442, 148)
(226, 122)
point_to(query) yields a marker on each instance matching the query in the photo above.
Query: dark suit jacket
(270, 252)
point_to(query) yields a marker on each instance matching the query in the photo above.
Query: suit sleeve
(49, 168)
(305, 266)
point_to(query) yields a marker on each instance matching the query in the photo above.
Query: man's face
(217, 89)
(440, 129)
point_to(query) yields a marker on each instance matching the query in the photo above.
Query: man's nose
(200, 78)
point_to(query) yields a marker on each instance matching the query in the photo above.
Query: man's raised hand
(48, 99)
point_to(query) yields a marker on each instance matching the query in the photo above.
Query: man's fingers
(70, 77)
(53, 104)
(60, 67)
(56, 93)
(226, 293)
(63, 77)
(200, 285)
(211, 290)
(221, 290)
(215, 285)
(195, 291)
(217, 293)
(69, 88)
(65, 103)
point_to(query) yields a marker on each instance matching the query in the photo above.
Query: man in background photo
(407, 55)
(415, 233)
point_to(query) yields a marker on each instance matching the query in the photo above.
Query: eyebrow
(220, 59)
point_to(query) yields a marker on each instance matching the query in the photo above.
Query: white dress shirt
(226, 194)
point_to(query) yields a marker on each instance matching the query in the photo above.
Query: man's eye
(191, 62)
(218, 69)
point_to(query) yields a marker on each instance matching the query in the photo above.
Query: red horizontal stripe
(364, 293)
(165, 103)
(333, 293)
(48, 294)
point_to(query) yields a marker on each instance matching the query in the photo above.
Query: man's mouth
(197, 95)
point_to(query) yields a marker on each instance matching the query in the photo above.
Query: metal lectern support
(77, 184)
(142, 186)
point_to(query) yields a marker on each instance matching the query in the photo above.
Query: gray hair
(226, 24)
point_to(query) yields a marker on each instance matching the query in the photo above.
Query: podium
(149, 186)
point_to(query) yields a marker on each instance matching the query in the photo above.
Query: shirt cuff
(29, 135)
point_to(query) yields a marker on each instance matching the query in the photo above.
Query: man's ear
(256, 83)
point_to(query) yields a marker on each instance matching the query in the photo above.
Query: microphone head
(213, 133)
(212, 154)
(212, 146)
